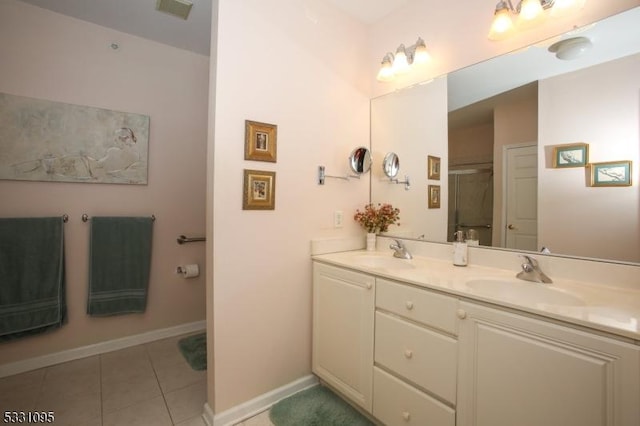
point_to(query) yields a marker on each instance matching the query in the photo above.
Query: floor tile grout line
(155, 373)
(101, 391)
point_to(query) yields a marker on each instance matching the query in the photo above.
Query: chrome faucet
(531, 271)
(400, 250)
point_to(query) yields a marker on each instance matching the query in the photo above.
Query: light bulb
(400, 62)
(421, 54)
(530, 10)
(386, 70)
(502, 25)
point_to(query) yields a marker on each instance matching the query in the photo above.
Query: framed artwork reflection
(260, 141)
(434, 196)
(571, 155)
(612, 173)
(259, 190)
(433, 167)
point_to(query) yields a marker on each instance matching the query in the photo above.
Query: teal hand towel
(32, 281)
(119, 264)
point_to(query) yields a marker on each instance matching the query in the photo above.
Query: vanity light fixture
(404, 58)
(529, 13)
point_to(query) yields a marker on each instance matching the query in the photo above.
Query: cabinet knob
(461, 314)
(408, 354)
(369, 286)
(406, 416)
(409, 305)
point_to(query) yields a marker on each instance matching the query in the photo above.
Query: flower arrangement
(378, 219)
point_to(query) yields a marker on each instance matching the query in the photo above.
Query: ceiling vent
(180, 8)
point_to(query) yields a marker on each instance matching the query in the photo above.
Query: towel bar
(85, 217)
(182, 239)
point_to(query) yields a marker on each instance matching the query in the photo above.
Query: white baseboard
(257, 405)
(98, 348)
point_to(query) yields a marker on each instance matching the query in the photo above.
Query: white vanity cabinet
(343, 312)
(516, 370)
(415, 355)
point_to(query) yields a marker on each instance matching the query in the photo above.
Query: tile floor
(149, 384)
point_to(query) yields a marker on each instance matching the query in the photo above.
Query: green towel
(119, 264)
(32, 281)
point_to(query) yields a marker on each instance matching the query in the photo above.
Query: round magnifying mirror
(360, 160)
(391, 165)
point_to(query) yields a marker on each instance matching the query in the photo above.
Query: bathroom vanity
(425, 343)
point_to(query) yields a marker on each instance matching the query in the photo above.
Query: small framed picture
(260, 141)
(434, 196)
(259, 190)
(612, 173)
(433, 167)
(571, 155)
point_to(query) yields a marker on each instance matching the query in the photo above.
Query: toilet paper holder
(188, 271)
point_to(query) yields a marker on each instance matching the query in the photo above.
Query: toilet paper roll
(190, 271)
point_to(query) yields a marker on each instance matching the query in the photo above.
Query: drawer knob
(461, 314)
(409, 305)
(408, 354)
(406, 416)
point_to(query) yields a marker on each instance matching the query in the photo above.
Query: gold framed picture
(611, 173)
(433, 167)
(434, 196)
(259, 189)
(571, 155)
(260, 141)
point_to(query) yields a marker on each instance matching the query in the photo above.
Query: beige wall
(600, 106)
(294, 64)
(471, 145)
(50, 56)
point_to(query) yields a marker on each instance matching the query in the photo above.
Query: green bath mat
(194, 350)
(316, 406)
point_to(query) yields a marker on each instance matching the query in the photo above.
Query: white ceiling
(140, 18)
(368, 11)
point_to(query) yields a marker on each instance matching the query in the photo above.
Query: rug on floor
(316, 406)
(194, 350)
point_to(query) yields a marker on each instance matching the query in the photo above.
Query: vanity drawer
(422, 356)
(432, 309)
(397, 403)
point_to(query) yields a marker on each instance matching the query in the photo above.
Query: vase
(371, 241)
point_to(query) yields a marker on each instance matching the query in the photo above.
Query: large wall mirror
(496, 125)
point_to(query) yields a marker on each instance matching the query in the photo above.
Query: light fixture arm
(546, 4)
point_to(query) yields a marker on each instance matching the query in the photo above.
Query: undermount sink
(523, 292)
(383, 262)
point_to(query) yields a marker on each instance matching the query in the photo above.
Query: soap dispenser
(459, 249)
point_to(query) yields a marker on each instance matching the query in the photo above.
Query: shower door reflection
(471, 201)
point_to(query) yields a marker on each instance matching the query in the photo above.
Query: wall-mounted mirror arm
(404, 182)
(359, 163)
(322, 176)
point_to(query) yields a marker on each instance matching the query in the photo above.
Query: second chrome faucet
(531, 271)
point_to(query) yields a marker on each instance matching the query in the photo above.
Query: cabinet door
(515, 370)
(343, 309)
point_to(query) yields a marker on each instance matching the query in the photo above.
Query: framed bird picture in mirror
(571, 155)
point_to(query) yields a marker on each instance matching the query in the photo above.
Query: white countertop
(610, 309)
